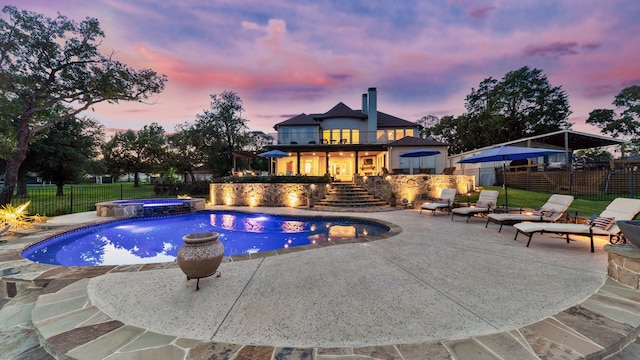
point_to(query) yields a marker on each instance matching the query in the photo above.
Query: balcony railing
(340, 137)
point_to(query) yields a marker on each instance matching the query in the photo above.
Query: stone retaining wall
(264, 194)
(415, 187)
(624, 264)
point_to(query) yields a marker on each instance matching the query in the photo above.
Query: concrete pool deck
(439, 289)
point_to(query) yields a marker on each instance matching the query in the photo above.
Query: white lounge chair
(618, 209)
(445, 202)
(551, 211)
(486, 202)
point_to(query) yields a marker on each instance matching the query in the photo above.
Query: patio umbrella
(505, 153)
(273, 154)
(418, 153)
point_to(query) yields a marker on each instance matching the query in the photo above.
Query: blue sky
(284, 58)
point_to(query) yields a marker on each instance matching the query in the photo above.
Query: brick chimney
(372, 112)
(365, 103)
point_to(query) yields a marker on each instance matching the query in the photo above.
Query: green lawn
(79, 198)
(45, 202)
(532, 200)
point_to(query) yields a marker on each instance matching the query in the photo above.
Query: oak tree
(48, 62)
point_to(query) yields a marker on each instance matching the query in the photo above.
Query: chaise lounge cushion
(560, 228)
(447, 197)
(551, 211)
(618, 209)
(486, 201)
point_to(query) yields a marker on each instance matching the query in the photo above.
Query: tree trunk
(59, 186)
(21, 186)
(14, 162)
(136, 181)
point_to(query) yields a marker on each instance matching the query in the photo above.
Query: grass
(83, 198)
(531, 200)
(45, 202)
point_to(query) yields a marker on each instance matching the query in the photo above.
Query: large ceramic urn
(200, 255)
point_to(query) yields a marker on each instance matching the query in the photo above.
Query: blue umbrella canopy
(419, 153)
(274, 154)
(506, 153)
(503, 153)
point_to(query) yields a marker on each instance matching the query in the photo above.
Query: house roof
(341, 110)
(244, 154)
(390, 121)
(416, 141)
(298, 120)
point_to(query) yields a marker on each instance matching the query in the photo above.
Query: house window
(335, 136)
(284, 136)
(355, 136)
(391, 135)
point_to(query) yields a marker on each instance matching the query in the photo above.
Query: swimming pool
(157, 239)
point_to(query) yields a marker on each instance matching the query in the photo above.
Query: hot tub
(149, 207)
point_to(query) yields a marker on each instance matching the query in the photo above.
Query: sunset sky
(284, 58)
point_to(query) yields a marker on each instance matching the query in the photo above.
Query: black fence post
(121, 192)
(71, 199)
(631, 180)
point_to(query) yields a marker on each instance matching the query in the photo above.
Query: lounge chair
(486, 202)
(604, 225)
(448, 170)
(385, 171)
(445, 202)
(551, 211)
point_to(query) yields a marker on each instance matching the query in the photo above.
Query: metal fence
(595, 183)
(78, 198)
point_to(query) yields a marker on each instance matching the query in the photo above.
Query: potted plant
(311, 201)
(393, 200)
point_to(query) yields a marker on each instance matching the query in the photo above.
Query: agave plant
(16, 216)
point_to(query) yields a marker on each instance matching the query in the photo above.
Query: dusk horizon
(284, 59)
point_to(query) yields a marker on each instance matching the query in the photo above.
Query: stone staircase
(348, 195)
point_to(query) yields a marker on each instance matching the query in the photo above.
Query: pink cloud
(481, 12)
(554, 49)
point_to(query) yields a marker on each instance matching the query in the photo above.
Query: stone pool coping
(70, 326)
(394, 230)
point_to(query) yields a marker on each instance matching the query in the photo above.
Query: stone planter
(200, 255)
(631, 230)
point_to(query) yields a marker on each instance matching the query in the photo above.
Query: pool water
(157, 239)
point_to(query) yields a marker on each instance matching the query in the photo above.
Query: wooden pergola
(243, 155)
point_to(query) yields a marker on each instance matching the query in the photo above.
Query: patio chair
(603, 225)
(486, 202)
(551, 211)
(447, 197)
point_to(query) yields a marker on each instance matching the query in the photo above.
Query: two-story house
(342, 142)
